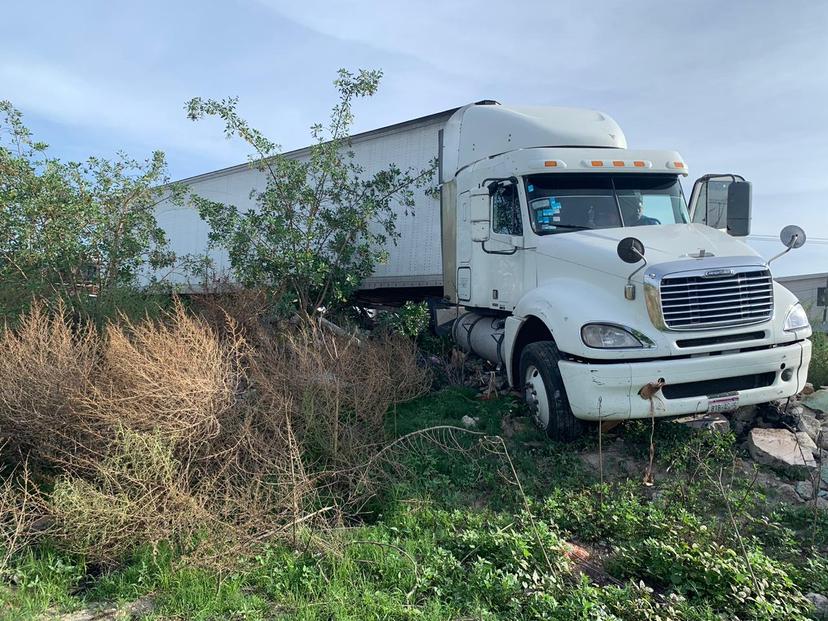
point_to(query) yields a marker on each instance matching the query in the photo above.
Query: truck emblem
(718, 273)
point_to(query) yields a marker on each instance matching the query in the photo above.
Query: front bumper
(610, 391)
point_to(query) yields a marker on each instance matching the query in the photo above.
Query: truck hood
(662, 243)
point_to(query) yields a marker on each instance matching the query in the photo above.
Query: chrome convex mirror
(792, 236)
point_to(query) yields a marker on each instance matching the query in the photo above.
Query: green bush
(411, 320)
(422, 563)
(818, 371)
(685, 559)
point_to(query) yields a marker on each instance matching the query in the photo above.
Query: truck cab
(589, 279)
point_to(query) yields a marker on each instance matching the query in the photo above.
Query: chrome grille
(695, 302)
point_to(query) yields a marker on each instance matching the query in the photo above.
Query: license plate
(723, 403)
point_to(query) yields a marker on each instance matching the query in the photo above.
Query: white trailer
(413, 263)
(582, 270)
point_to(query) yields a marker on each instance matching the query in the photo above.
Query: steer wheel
(545, 394)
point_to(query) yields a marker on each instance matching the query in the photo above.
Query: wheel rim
(536, 396)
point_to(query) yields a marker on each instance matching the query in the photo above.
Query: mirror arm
(629, 288)
(629, 278)
(786, 250)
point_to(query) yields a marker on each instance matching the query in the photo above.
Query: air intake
(700, 301)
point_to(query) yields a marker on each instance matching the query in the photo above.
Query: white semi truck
(580, 268)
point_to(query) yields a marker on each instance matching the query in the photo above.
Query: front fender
(564, 305)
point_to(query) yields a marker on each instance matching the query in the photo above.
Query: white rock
(807, 443)
(779, 449)
(468, 422)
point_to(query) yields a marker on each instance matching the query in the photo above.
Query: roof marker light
(596, 163)
(550, 163)
(678, 165)
(640, 164)
(618, 163)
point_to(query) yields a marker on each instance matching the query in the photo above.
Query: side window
(506, 211)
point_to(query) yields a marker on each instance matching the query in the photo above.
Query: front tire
(545, 394)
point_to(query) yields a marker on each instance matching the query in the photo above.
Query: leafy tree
(71, 230)
(321, 224)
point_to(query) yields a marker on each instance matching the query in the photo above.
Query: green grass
(450, 537)
(40, 579)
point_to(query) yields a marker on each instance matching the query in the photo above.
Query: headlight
(796, 319)
(611, 336)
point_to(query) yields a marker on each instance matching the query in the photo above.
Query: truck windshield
(566, 202)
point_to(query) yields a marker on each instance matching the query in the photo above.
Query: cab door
(504, 248)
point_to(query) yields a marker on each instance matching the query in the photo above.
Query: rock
(779, 449)
(786, 493)
(806, 443)
(822, 438)
(775, 415)
(820, 603)
(804, 489)
(468, 422)
(808, 389)
(807, 422)
(710, 422)
(823, 474)
(140, 608)
(817, 401)
(742, 420)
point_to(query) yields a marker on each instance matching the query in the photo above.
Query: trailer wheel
(544, 392)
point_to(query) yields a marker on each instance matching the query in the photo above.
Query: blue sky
(735, 87)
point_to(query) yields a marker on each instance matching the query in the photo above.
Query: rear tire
(544, 392)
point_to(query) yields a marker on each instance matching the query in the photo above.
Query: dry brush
(172, 430)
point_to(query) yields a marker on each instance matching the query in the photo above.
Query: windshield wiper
(573, 226)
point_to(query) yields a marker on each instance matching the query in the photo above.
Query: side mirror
(630, 250)
(792, 236)
(479, 212)
(738, 208)
(722, 202)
